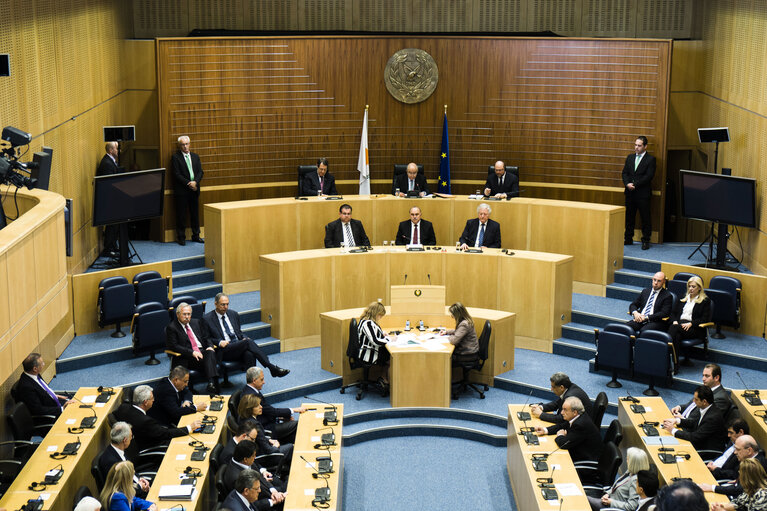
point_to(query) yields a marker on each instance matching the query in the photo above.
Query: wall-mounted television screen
(128, 196)
(716, 198)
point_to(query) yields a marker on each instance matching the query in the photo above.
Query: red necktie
(415, 234)
(192, 340)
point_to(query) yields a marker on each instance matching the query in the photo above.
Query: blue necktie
(481, 235)
(648, 308)
(227, 330)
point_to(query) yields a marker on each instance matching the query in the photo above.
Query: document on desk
(567, 489)
(660, 440)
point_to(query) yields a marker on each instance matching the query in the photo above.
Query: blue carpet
(672, 253)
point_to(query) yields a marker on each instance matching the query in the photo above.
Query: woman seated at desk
(623, 493)
(250, 408)
(464, 337)
(689, 312)
(372, 338)
(118, 493)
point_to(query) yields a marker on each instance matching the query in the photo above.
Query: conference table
(420, 375)
(756, 423)
(296, 287)
(76, 468)
(655, 410)
(240, 232)
(523, 477)
(306, 449)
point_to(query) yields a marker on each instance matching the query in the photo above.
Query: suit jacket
(510, 185)
(119, 502)
(708, 433)
(583, 440)
(733, 490)
(213, 326)
(147, 432)
(661, 308)
(334, 234)
(108, 458)
(181, 173)
(312, 184)
(648, 506)
(269, 414)
(701, 312)
(425, 233)
(167, 407)
(36, 398)
(552, 411)
(492, 233)
(177, 340)
(107, 166)
(642, 177)
(230, 478)
(401, 182)
(233, 502)
(623, 492)
(729, 470)
(721, 400)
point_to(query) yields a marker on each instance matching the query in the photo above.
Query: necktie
(192, 340)
(349, 235)
(227, 330)
(648, 308)
(501, 182)
(188, 159)
(415, 234)
(411, 185)
(481, 235)
(636, 162)
(322, 185)
(48, 390)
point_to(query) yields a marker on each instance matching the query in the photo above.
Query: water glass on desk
(396, 192)
(385, 245)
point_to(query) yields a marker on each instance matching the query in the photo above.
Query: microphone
(321, 495)
(546, 480)
(664, 451)
(330, 415)
(539, 459)
(86, 422)
(648, 427)
(428, 276)
(523, 415)
(751, 396)
(327, 439)
(635, 406)
(405, 282)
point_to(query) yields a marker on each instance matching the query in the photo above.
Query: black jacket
(425, 233)
(334, 234)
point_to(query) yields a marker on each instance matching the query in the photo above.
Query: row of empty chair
(118, 298)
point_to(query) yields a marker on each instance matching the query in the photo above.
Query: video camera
(10, 167)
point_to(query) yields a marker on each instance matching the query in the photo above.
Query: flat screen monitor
(42, 172)
(716, 198)
(128, 197)
(119, 133)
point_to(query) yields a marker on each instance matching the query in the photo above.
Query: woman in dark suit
(463, 337)
(689, 313)
(118, 493)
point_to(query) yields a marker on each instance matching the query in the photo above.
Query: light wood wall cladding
(582, 18)
(564, 110)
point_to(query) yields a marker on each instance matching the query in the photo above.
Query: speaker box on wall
(5, 64)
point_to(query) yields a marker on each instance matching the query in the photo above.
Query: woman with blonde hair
(688, 314)
(623, 493)
(753, 480)
(372, 338)
(118, 493)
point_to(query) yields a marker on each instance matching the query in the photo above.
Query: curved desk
(296, 287)
(239, 232)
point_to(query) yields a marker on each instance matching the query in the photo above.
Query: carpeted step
(644, 265)
(188, 263)
(192, 277)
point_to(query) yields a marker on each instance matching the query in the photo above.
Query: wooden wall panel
(565, 110)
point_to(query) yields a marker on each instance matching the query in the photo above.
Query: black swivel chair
(116, 303)
(80, 494)
(148, 328)
(513, 170)
(614, 433)
(352, 351)
(602, 472)
(465, 383)
(598, 410)
(303, 170)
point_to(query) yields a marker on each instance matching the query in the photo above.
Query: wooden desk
(76, 468)
(633, 436)
(298, 286)
(334, 327)
(420, 377)
(527, 494)
(240, 232)
(301, 484)
(756, 424)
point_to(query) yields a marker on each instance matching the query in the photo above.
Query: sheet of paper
(88, 399)
(567, 489)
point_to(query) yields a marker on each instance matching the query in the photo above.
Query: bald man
(502, 184)
(411, 181)
(651, 306)
(108, 164)
(415, 231)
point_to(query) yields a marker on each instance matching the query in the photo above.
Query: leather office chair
(303, 170)
(45, 421)
(151, 287)
(465, 383)
(614, 350)
(80, 494)
(725, 292)
(234, 402)
(148, 329)
(602, 472)
(652, 358)
(96, 473)
(598, 409)
(614, 433)
(214, 457)
(24, 427)
(9, 471)
(678, 288)
(219, 482)
(198, 309)
(352, 351)
(116, 303)
(685, 276)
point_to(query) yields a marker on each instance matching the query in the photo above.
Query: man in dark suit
(345, 230)
(120, 439)
(638, 172)
(711, 378)
(35, 393)
(577, 433)
(173, 399)
(563, 388)
(726, 465)
(415, 231)
(651, 306)
(245, 495)
(108, 164)
(146, 430)
(745, 448)
(502, 184)
(244, 458)
(705, 432)
(647, 488)
(320, 180)
(410, 181)
(481, 231)
(187, 175)
(285, 431)
(224, 331)
(187, 337)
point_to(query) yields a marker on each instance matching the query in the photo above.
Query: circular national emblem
(411, 75)
(417, 292)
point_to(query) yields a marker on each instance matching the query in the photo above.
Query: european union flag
(444, 161)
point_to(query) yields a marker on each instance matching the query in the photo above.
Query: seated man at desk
(120, 439)
(244, 458)
(345, 230)
(745, 448)
(320, 182)
(411, 181)
(502, 184)
(173, 399)
(481, 232)
(415, 231)
(35, 393)
(563, 388)
(726, 465)
(706, 430)
(577, 434)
